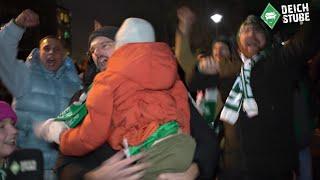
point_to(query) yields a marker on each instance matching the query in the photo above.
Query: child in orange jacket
(138, 103)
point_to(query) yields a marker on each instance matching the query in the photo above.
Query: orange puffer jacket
(139, 91)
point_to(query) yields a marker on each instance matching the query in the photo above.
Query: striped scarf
(241, 94)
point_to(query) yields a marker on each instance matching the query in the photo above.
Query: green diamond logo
(15, 168)
(270, 16)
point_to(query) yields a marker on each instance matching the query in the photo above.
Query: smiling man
(258, 113)
(42, 86)
(101, 45)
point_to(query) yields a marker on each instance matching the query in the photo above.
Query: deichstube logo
(295, 13)
(270, 16)
(291, 13)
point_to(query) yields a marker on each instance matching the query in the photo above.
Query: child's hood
(151, 65)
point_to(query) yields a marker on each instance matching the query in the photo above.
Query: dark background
(161, 13)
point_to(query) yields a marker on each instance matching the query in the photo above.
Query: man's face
(220, 51)
(51, 54)
(251, 40)
(101, 48)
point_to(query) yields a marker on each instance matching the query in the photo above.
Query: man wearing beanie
(137, 121)
(258, 113)
(101, 45)
(69, 167)
(139, 125)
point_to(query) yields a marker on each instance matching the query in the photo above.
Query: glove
(50, 130)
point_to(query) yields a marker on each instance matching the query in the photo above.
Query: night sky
(162, 14)
(111, 12)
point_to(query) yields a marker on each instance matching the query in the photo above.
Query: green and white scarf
(241, 94)
(74, 114)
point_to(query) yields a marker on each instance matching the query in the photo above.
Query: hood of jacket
(152, 65)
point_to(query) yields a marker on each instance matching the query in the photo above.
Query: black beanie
(106, 31)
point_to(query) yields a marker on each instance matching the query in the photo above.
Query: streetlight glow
(216, 18)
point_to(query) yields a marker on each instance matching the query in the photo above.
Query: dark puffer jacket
(265, 145)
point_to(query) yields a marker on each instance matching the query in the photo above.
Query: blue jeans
(50, 175)
(305, 164)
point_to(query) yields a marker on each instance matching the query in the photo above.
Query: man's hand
(118, 167)
(27, 19)
(186, 19)
(208, 66)
(190, 174)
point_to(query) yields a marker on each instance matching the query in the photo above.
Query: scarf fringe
(250, 106)
(241, 94)
(229, 115)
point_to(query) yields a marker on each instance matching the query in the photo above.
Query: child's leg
(174, 154)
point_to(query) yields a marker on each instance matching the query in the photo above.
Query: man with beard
(42, 86)
(258, 112)
(101, 46)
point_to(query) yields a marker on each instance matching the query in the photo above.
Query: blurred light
(66, 18)
(66, 35)
(216, 18)
(61, 16)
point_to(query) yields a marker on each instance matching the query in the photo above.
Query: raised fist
(186, 18)
(27, 18)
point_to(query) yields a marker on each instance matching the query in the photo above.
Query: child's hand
(50, 130)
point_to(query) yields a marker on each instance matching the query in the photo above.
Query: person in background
(208, 97)
(41, 86)
(211, 69)
(221, 51)
(213, 64)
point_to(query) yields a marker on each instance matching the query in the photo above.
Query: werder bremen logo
(15, 168)
(270, 16)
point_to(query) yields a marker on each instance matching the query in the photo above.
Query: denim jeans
(305, 164)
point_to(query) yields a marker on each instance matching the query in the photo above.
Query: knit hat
(106, 31)
(7, 112)
(134, 30)
(257, 22)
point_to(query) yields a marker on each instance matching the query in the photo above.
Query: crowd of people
(132, 116)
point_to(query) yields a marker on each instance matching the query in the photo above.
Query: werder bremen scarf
(74, 114)
(241, 93)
